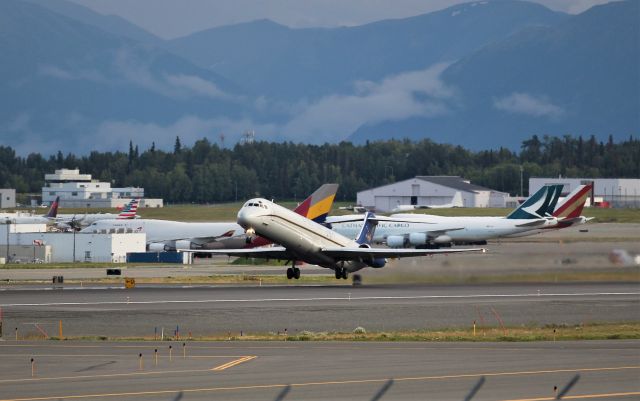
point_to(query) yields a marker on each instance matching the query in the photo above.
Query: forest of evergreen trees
(205, 173)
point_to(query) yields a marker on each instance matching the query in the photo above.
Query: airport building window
(52, 193)
(74, 194)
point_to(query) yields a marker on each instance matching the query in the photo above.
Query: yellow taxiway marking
(344, 382)
(234, 363)
(581, 396)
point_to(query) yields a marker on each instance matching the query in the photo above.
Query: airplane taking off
(455, 202)
(316, 207)
(20, 218)
(302, 239)
(165, 235)
(400, 230)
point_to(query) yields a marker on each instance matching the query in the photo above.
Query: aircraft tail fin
(317, 206)
(129, 210)
(538, 205)
(53, 210)
(368, 229)
(571, 207)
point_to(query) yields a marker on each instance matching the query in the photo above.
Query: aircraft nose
(247, 217)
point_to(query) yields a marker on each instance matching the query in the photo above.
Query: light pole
(521, 181)
(74, 244)
(8, 222)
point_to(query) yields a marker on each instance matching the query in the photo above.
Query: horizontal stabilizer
(534, 223)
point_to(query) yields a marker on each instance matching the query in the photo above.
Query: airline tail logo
(317, 206)
(368, 229)
(540, 204)
(53, 211)
(129, 211)
(572, 206)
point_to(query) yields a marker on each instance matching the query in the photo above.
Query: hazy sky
(174, 18)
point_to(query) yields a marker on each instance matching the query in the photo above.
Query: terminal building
(429, 191)
(80, 190)
(607, 192)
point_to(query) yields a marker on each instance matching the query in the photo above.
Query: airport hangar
(430, 190)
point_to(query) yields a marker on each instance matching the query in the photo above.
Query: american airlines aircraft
(302, 239)
(129, 211)
(400, 230)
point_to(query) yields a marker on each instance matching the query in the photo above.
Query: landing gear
(293, 272)
(341, 273)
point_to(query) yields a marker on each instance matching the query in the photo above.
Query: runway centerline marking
(234, 363)
(344, 298)
(328, 383)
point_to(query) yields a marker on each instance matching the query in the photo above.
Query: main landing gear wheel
(341, 273)
(293, 272)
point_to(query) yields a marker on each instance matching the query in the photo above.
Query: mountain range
(482, 75)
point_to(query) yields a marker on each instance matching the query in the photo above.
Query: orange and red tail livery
(317, 206)
(572, 206)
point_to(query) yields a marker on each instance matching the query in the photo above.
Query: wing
(205, 240)
(359, 253)
(273, 252)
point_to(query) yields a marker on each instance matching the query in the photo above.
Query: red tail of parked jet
(53, 211)
(316, 207)
(569, 211)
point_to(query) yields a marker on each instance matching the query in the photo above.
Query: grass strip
(626, 275)
(524, 333)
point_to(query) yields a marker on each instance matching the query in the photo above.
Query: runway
(320, 371)
(218, 309)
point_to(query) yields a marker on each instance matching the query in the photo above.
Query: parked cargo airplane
(400, 230)
(165, 235)
(302, 239)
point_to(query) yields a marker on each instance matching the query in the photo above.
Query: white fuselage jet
(301, 239)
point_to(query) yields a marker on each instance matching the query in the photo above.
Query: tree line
(207, 173)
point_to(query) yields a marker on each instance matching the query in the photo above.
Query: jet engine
(396, 241)
(418, 239)
(185, 244)
(442, 240)
(157, 247)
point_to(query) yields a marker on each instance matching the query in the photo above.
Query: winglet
(317, 206)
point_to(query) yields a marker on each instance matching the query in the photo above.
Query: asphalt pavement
(600, 370)
(215, 310)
